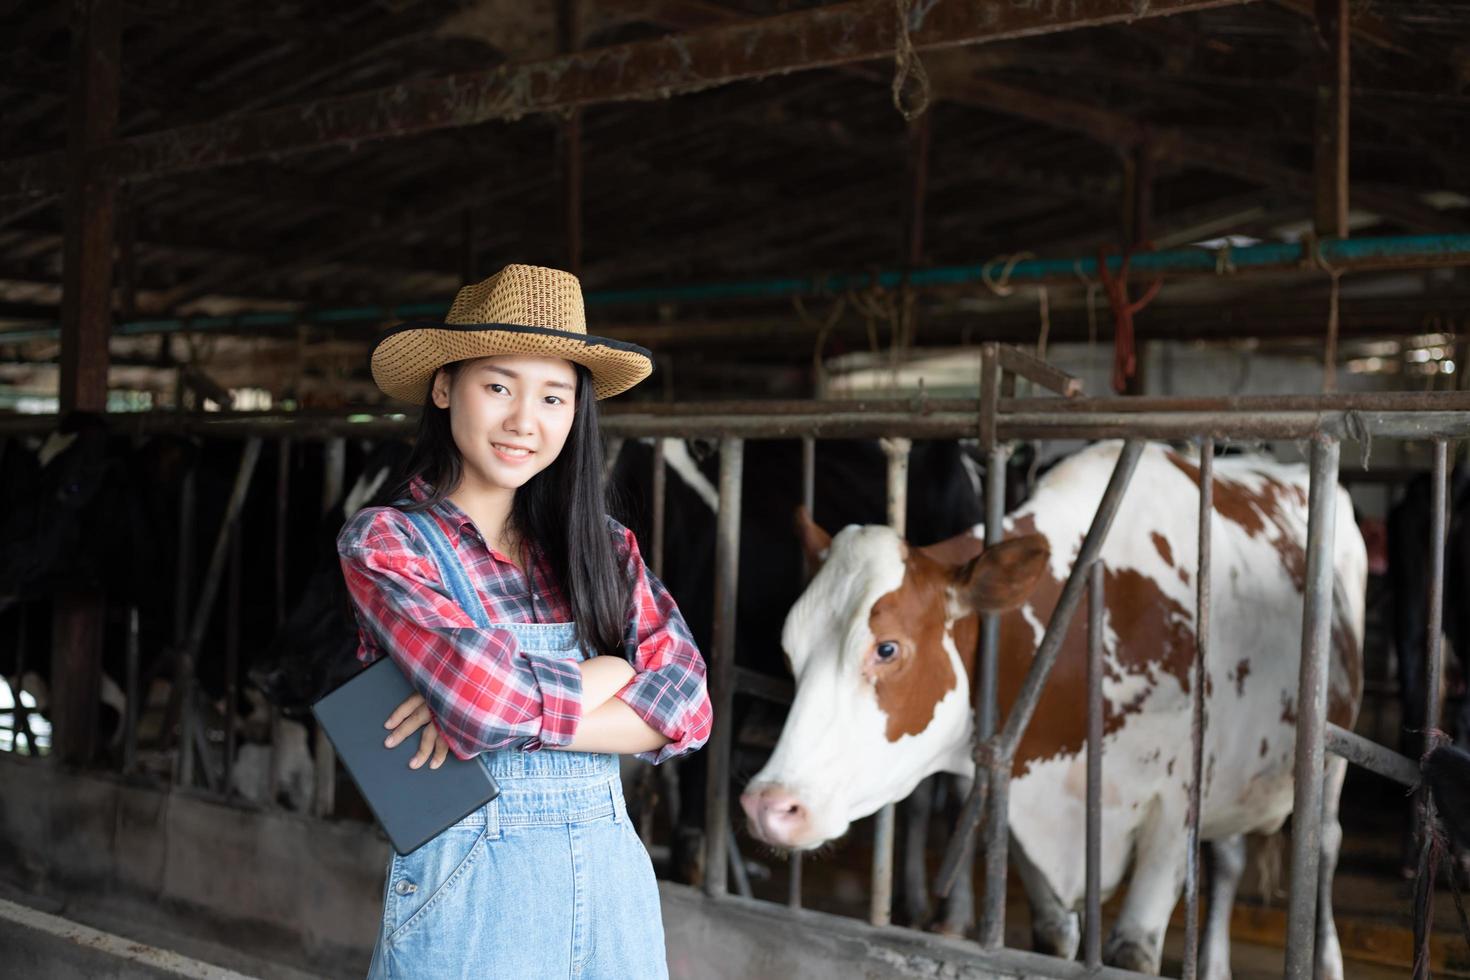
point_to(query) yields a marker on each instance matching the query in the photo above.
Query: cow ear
(961, 549)
(1004, 575)
(815, 542)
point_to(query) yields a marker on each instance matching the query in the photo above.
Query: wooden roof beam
(822, 37)
(1117, 130)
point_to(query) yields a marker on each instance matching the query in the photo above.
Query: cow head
(881, 644)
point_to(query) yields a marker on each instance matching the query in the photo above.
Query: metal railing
(995, 419)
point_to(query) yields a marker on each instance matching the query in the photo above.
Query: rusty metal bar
(1092, 923)
(957, 853)
(1039, 372)
(660, 508)
(207, 593)
(722, 666)
(1197, 708)
(989, 394)
(1372, 756)
(1306, 834)
(996, 806)
(1020, 713)
(880, 899)
(1398, 415)
(821, 37)
(998, 752)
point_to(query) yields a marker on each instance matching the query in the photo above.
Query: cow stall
(996, 419)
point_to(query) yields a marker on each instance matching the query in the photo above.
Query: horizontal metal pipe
(1339, 254)
(818, 422)
(1370, 755)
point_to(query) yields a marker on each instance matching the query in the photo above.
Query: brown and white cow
(882, 645)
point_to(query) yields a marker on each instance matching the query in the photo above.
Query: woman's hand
(408, 718)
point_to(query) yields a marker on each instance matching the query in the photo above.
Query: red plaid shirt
(483, 692)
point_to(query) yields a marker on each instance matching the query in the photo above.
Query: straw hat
(522, 309)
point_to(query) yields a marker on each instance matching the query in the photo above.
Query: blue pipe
(1347, 254)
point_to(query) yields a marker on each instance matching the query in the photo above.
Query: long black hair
(561, 513)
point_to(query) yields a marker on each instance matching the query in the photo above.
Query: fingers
(412, 723)
(441, 752)
(426, 748)
(403, 711)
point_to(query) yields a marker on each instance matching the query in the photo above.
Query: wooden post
(1330, 151)
(86, 322)
(1331, 142)
(568, 39)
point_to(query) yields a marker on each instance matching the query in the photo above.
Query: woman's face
(509, 414)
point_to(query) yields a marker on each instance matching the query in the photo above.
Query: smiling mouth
(511, 452)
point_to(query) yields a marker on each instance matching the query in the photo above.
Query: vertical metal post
(183, 669)
(722, 666)
(991, 781)
(1301, 927)
(283, 488)
(1092, 943)
(809, 501)
(232, 659)
(660, 507)
(207, 593)
(880, 905)
(1434, 626)
(1197, 715)
(987, 720)
(324, 795)
(130, 709)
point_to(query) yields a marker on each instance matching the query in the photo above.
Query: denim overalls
(547, 880)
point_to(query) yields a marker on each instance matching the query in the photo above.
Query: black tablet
(412, 805)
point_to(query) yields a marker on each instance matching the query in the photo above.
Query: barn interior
(209, 211)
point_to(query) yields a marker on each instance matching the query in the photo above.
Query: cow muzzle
(777, 816)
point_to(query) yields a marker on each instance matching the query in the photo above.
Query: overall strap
(451, 569)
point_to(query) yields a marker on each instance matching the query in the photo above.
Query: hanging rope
(1313, 246)
(906, 63)
(824, 328)
(1125, 352)
(1002, 286)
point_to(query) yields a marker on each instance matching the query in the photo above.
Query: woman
(534, 636)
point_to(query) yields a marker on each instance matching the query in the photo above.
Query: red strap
(1125, 353)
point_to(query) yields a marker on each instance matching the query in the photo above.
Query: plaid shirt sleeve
(482, 691)
(668, 691)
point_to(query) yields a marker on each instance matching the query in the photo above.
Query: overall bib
(548, 880)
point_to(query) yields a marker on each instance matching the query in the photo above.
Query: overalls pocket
(427, 879)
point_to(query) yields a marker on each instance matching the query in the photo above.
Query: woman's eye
(553, 399)
(498, 388)
(887, 650)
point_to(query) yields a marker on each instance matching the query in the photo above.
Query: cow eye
(887, 650)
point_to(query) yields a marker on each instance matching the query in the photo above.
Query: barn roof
(333, 162)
